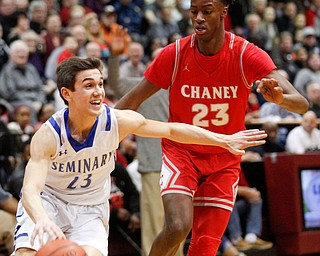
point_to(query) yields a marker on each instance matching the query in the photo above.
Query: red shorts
(211, 179)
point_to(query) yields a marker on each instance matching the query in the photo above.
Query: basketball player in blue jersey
(67, 179)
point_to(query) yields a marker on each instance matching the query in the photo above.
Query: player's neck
(80, 129)
(78, 133)
(211, 47)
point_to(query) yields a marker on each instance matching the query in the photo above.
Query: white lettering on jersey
(204, 92)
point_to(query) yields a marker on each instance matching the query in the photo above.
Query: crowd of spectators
(35, 36)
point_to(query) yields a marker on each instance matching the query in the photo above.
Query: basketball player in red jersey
(210, 75)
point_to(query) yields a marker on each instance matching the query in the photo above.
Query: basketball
(61, 247)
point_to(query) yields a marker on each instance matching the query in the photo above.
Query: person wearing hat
(309, 40)
(109, 26)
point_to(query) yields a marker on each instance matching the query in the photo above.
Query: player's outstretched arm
(42, 147)
(132, 122)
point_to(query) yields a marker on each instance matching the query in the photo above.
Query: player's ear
(65, 93)
(224, 12)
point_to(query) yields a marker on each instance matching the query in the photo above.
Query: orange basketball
(61, 247)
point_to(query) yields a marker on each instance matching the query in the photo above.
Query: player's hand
(237, 142)
(270, 90)
(119, 41)
(45, 227)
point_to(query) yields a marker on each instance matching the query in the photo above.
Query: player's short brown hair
(68, 69)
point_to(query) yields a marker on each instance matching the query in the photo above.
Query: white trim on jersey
(232, 36)
(244, 79)
(176, 61)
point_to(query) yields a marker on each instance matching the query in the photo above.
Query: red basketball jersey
(209, 91)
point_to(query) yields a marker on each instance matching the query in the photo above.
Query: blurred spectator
(16, 178)
(270, 29)
(20, 126)
(311, 73)
(8, 208)
(36, 51)
(76, 16)
(253, 31)
(274, 143)
(133, 66)
(309, 40)
(247, 208)
(53, 6)
(152, 11)
(312, 16)
(23, 25)
(258, 7)
(313, 97)
(8, 17)
(285, 22)
(130, 16)
(6, 110)
(53, 37)
(109, 26)
(300, 23)
(300, 61)
(79, 33)
(70, 46)
(64, 11)
(283, 55)
(4, 50)
(164, 27)
(253, 107)
(184, 23)
(305, 137)
(22, 5)
(93, 50)
(21, 83)
(7, 152)
(38, 13)
(94, 33)
(128, 148)
(44, 113)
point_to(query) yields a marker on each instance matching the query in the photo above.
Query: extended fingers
(52, 232)
(255, 134)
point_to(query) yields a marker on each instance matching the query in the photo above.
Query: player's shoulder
(44, 141)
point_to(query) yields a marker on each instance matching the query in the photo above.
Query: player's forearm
(190, 134)
(33, 184)
(295, 103)
(32, 204)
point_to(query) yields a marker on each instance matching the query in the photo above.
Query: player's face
(89, 92)
(207, 17)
